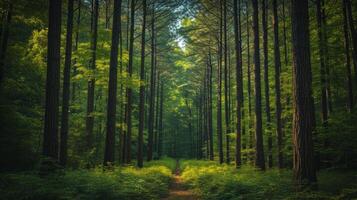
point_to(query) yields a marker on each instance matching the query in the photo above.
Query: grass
(223, 182)
(127, 183)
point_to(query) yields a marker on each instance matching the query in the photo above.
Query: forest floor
(177, 190)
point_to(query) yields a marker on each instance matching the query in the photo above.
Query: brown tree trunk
(259, 153)
(226, 103)
(129, 92)
(279, 130)
(142, 92)
(303, 162)
(66, 85)
(353, 33)
(160, 140)
(249, 85)
(50, 135)
(239, 80)
(112, 87)
(210, 99)
(219, 90)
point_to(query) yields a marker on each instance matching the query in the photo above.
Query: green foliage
(120, 183)
(213, 181)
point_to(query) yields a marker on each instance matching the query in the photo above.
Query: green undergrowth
(127, 183)
(212, 181)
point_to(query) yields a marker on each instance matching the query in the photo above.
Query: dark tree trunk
(129, 92)
(156, 113)
(348, 59)
(284, 34)
(259, 153)
(226, 103)
(239, 80)
(303, 162)
(91, 81)
(161, 119)
(112, 87)
(107, 15)
(152, 89)
(266, 82)
(66, 85)
(324, 106)
(210, 115)
(78, 22)
(219, 90)
(353, 34)
(142, 92)
(279, 130)
(249, 85)
(4, 40)
(50, 135)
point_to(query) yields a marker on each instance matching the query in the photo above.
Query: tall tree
(66, 85)
(249, 84)
(91, 81)
(129, 92)
(239, 79)
(266, 81)
(75, 48)
(348, 59)
(50, 135)
(161, 115)
(219, 89)
(112, 86)
(322, 46)
(152, 88)
(210, 115)
(303, 162)
(277, 62)
(259, 153)
(4, 39)
(353, 32)
(142, 91)
(226, 86)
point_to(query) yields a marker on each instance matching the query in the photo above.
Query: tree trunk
(142, 92)
(279, 130)
(78, 22)
(303, 162)
(259, 153)
(239, 80)
(284, 34)
(353, 34)
(129, 92)
(249, 85)
(112, 87)
(161, 119)
(210, 115)
(66, 85)
(219, 90)
(50, 135)
(4, 40)
(91, 81)
(152, 88)
(226, 104)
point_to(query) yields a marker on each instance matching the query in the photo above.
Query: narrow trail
(177, 190)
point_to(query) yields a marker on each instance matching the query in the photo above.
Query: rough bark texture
(66, 85)
(259, 153)
(303, 159)
(112, 89)
(50, 135)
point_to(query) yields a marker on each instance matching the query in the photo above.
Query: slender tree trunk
(259, 153)
(91, 81)
(239, 80)
(152, 88)
(219, 90)
(66, 85)
(161, 118)
(107, 15)
(353, 33)
(50, 135)
(249, 85)
(129, 92)
(324, 106)
(279, 130)
(210, 115)
(303, 162)
(112, 87)
(156, 113)
(226, 104)
(266, 81)
(142, 92)
(284, 34)
(78, 23)
(4, 40)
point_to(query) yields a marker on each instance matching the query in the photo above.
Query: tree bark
(226, 103)
(259, 153)
(303, 162)
(4, 40)
(353, 33)
(50, 135)
(66, 85)
(112, 87)
(219, 90)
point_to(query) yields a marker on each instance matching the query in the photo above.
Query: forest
(178, 99)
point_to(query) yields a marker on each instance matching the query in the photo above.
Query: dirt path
(177, 190)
